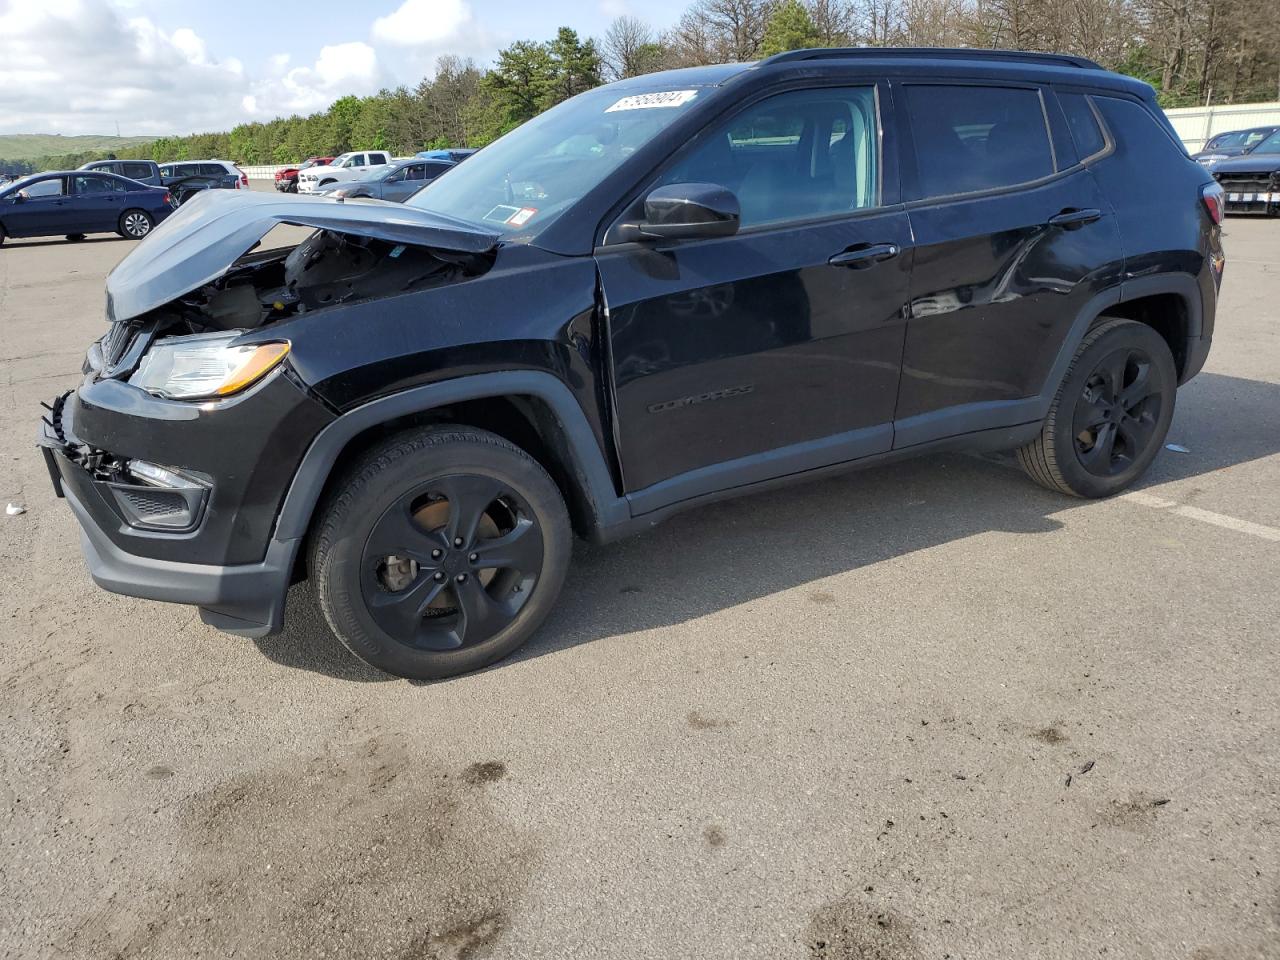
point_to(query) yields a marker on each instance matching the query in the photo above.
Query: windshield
(529, 177)
(1269, 145)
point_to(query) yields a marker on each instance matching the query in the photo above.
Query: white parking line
(1204, 516)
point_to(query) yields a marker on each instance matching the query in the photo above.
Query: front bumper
(227, 561)
(287, 186)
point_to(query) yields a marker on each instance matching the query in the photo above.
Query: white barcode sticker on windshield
(650, 101)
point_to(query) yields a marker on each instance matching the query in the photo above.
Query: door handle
(1074, 219)
(865, 256)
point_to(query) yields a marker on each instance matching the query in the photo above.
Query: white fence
(267, 172)
(1195, 125)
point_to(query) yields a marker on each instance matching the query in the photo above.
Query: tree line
(1190, 51)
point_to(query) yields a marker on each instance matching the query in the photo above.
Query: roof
(933, 53)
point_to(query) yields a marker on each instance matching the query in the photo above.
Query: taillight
(168, 198)
(1211, 196)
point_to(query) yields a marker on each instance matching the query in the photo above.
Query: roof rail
(933, 53)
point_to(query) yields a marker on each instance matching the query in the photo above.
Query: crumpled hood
(211, 231)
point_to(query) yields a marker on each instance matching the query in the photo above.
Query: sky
(151, 68)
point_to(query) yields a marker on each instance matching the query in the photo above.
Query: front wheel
(135, 224)
(440, 551)
(1111, 414)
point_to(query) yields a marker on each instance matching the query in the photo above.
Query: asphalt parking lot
(923, 711)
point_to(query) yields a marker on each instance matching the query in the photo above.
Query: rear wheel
(135, 224)
(440, 551)
(1110, 415)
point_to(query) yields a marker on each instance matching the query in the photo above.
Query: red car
(287, 179)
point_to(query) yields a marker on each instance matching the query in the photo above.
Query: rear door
(97, 203)
(776, 350)
(1013, 238)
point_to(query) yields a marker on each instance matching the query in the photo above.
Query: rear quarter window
(970, 138)
(1083, 123)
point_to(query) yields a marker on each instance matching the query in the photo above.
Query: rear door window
(86, 185)
(212, 170)
(970, 138)
(433, 170)
(136, 171)
(1083, 123)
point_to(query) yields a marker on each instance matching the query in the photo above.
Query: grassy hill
(29, 146)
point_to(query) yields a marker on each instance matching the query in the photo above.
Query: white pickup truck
(346, 167)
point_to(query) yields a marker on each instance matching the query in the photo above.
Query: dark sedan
(396, 182)
(1251, 183)
(76, 202)
(1233, 143)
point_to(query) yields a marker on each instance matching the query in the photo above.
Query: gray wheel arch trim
(317, 464)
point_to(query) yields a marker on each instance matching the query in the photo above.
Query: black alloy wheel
(1110, 415)
(451, 563)
(439, 550)
(1117, 412)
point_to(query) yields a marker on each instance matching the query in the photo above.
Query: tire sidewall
(339, 569)
(1130, 334)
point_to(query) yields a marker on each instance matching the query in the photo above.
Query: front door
(38, 209)
(1013, 238)
(776, 350)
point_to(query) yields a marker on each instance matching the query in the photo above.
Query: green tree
(789, 28)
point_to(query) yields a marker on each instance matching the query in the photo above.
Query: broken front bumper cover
(246, 599)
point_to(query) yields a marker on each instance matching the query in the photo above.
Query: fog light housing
(165, 499)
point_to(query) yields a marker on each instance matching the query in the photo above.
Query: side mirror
(683, 211)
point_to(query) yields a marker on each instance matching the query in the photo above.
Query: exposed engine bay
(326, 269)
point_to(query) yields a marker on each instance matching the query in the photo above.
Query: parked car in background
(287, 179)
(76, 202)
(660, 293)
(144, 171)
(346, 167)
(397, 183)
(1233, 143)
(186, 178)
(1252, 182)
(455, 154)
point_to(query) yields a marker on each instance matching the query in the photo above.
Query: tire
(135, 224)
(2, 235)
(398, 569)
(75, 237)
(1096, 441)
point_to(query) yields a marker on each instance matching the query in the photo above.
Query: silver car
(396, 182)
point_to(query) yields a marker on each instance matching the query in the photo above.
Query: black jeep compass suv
(665, 291)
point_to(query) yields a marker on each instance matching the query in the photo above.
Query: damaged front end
(174, 468)
(204, 272)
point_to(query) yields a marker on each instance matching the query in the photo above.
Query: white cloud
(82, 66)
(423, 23)
(339, 70)
(614, 8)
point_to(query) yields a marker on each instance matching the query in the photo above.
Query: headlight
(205, 366)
